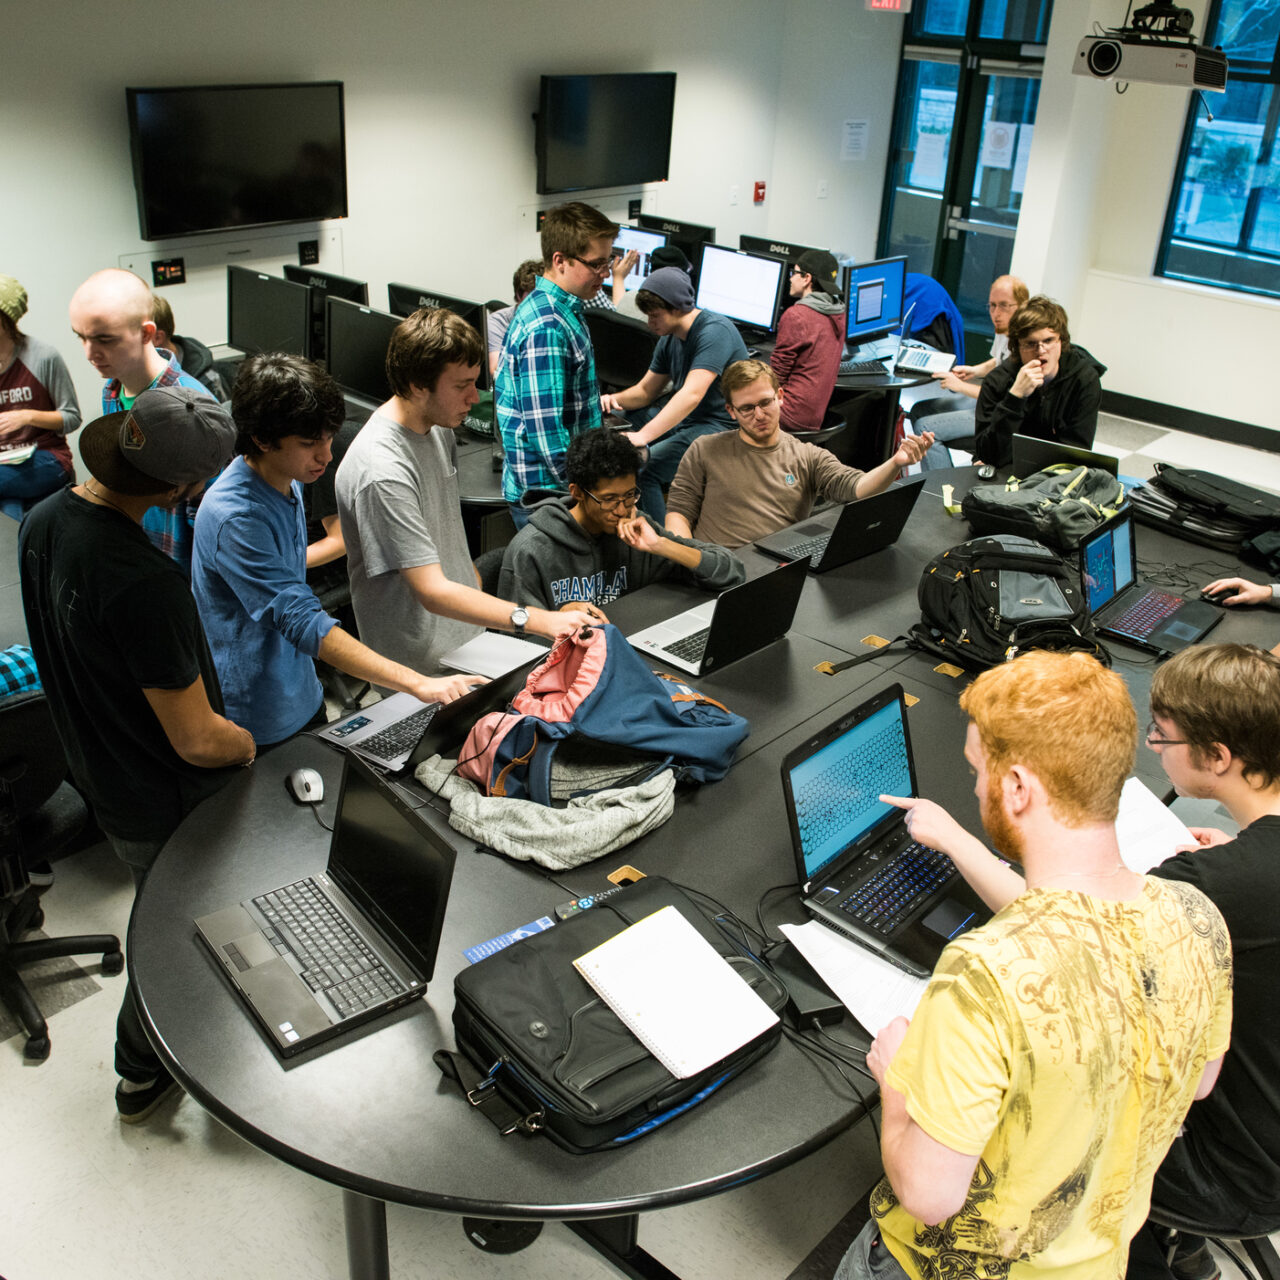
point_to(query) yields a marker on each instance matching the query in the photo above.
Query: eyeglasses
(795, 271)
(615, 501)
(1039, 344)
(750, 410)
(594, 264)
(1154, 740)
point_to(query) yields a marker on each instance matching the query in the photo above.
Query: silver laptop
(924, 360)
(313, 958)
(736, 623)
(859, 871)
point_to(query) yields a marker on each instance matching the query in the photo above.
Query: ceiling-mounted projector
(1157, 48)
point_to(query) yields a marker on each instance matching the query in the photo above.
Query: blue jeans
(41, 474)
(664, 460)
(519, 515)
(868, 1259)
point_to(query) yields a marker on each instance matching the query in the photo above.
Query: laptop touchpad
(949, 919)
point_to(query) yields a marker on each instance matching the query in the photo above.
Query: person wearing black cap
(810, 341)
(694, 349)
(126, 668)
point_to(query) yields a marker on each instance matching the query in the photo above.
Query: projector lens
(1103, 57)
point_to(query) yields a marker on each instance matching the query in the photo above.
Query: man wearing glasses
(594, 546)
(739, 485)
(810, 341)
(545, 390)
(1047, 388)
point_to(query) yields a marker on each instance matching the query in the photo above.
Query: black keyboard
(690, 648)
(402, 736)
(334, 958)
(862, 366)
(898, 888)
(812, 548)
(1146, 613)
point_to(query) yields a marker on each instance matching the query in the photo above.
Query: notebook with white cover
(681, 999)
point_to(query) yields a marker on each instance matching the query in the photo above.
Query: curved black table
(371, 1113)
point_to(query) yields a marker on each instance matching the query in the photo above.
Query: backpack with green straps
(1058, 506)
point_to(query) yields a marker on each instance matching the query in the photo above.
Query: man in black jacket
(1046, 388)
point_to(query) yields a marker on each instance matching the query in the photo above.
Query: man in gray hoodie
(594, 546)
(810, 341)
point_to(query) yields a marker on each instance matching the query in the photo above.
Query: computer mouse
(986, 471)
(306, 786)
(1218, 597)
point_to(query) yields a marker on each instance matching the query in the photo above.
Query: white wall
(439, 130)
(1097, 190)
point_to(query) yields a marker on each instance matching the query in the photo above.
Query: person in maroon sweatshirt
(810, 341)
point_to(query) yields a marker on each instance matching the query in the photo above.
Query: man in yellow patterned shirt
(1057, 1048)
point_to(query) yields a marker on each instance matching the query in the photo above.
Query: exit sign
(890, 6)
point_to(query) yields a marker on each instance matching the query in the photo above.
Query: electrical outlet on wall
(735, 194)
(824, 189)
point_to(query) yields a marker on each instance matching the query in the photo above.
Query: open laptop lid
(392, 864)
(1031, 455)
(755, 613)
(861, 527)
(831, 784)
(1109, 560)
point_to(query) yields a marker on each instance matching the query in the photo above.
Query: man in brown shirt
(736, 486)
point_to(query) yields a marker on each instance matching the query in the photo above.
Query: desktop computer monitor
(743, 286)
(644, 243)
(874, 291)
(404, 299)
(265, 313)
(357, 341)
(787, 251)
(324, 285)
(688, 237)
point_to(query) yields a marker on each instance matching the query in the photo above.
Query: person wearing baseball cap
(810, 341)
(695, 346)
(126, 668)
(38, 407)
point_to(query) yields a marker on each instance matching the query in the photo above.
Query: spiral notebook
(681, 999)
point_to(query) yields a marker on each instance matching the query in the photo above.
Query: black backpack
(989, 599)
(1205, 508)
(1059, 506)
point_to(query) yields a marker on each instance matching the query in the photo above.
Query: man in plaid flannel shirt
(545, 391)
(111, 314)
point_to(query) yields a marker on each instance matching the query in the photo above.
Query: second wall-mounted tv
(604, 131)
(214, 157)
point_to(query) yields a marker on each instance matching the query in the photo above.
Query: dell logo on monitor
(781, 248)
(671, 226)
(425, 300)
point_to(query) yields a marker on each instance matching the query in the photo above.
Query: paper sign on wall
(997, 145)
(854, 139)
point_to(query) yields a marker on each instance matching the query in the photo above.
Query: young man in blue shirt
(694, 349)
(264, 623)
(545, 389)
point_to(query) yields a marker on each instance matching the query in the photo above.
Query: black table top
(370, 1112)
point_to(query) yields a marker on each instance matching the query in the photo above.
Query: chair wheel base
(36, 1049)
(113, 963)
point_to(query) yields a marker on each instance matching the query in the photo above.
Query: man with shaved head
(1007, 294)
(111, 314)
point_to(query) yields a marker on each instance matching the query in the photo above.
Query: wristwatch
(519, 619)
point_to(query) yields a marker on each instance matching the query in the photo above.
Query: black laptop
(860, 872)
(852, 531)
(1031, 455)
(314, 958)
(736, 623)
(1129, 609)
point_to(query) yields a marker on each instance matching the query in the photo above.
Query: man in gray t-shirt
(414, 588)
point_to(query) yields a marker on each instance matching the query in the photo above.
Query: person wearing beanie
(810, 341)
(126, 668)
(694, 348)
(38, 409)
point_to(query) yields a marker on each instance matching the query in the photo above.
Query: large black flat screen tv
(208, 158)
(604, 131)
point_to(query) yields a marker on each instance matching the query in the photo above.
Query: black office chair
(1258, 1249)
(40, 814)
(833, 425)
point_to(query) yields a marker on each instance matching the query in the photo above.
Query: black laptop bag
(542, 1053)
(1205, 508)
(1059, 506)
(987, 600)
